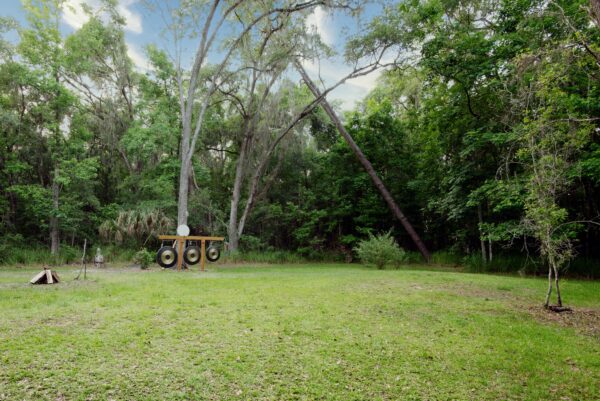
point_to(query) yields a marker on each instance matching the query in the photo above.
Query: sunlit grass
(292, 332)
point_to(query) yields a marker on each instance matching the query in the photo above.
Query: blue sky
(143, 27)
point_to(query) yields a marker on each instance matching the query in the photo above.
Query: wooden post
(180, 242)
(202, 252)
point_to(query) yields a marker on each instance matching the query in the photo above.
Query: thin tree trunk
(481, 240)
(184, 173)
(367, 165)
(490, 255)
(251, 113)
(232, 230)
(547, 303)
(83, 264)
(558, 298)
(182, 200)
(54, 231)
(253, 193)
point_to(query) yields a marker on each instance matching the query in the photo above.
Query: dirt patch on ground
(487, 294)
(584, 320)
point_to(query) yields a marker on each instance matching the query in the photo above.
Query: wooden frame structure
(180, 240)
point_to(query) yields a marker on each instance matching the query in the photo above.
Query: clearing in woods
(295, 332)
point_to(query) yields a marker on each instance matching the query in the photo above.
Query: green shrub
(380, 250)
(143, 258)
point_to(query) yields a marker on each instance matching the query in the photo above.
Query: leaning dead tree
(365, 163)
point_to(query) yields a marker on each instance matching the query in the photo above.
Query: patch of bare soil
(485, 293)
(584, 320)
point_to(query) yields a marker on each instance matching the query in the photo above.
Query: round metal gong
(191, 255)
(166, 257)
(213, 253)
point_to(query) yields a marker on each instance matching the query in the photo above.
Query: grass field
(312, 332)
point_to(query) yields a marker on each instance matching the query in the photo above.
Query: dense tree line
(484, 131)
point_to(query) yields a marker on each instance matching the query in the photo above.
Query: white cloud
(133, 19)
(352, 91)
(139, 59)
(75, 17)
(73, 14)
(320, 21)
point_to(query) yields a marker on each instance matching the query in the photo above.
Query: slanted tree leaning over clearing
(366, 164)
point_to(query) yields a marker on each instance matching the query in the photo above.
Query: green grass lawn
(330, 332)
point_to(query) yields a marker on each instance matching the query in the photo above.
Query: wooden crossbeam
(192, 237)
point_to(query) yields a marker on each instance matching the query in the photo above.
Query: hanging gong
(213, 253)
(191, 255)
(166, 257)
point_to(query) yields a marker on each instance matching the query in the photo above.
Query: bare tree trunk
(54, 230)
(547, 303)
(481, 240)
(367, 165)
(182, 200)
(558, 298)
(253, 193)
(490, 255)
(232, 230)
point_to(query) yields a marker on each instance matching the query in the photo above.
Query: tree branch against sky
(209, 21)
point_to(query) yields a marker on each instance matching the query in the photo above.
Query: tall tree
(195, 92)
(366, 164)
(41, 45)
